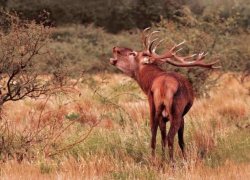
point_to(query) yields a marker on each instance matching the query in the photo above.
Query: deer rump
(171, 93)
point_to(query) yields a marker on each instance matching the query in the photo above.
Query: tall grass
(216, 135)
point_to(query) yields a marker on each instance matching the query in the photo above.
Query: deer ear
(148, 60)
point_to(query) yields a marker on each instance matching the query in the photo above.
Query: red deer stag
(170, 95)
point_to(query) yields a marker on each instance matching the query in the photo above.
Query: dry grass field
(100, 130)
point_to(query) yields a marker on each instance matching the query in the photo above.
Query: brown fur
(170, 95)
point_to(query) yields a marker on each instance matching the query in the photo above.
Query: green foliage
(117, 15)
(72, 116)
(108, 14)
(234, 148)
(117, 145)
(89, 47)
(45, 168)
(137, 173)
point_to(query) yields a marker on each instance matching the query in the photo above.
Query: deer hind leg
(181, 139)
(162, 125)
(154, 126)
(174, 127)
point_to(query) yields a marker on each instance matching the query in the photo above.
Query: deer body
(170, 95)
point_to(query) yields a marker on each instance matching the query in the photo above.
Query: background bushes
(86, 31)
(117, 15)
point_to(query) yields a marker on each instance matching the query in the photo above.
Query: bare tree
(22, 45)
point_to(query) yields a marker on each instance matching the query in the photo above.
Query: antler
(197, 62)
(148, 45)
(144, 38)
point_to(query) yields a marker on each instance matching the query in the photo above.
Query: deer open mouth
(113, 61)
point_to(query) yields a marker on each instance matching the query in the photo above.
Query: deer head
(130, 61)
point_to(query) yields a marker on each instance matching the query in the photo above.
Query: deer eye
(133, 53)
(147, 55)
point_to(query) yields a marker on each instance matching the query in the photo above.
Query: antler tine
(178, 50)
(169, 54)
(149, 38)
(194, 63)
(144, 38)
(175, 46)
(150, 45)
(157, 45)
(212, 63)
(181, 59)
(197, 62)
(180, 43)
(202, 55)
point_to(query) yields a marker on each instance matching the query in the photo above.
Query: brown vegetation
(213, 140)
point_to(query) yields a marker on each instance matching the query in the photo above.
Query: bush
(118, 15)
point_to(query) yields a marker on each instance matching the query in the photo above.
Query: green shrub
(118, 15)
(234, 148)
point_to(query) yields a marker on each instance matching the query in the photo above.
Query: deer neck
(146, 75)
